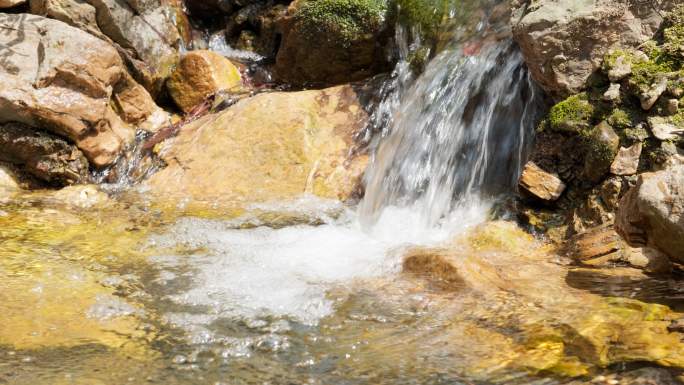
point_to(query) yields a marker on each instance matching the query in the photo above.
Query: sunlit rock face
(76, 86)
(564, 41)
(271, 146)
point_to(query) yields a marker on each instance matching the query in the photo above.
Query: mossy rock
(674, 32)
(601, 146)
(573, 114)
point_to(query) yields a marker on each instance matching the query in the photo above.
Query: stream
(115, 290)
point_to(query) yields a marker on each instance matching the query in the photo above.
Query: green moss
(620, 119)
(674, 32)
(427, 15)
(342, 21)
(572, 114)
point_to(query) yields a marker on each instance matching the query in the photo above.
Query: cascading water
(460, 133)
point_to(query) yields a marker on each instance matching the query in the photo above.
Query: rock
(8, 180)
(72, 87)
(613, 93)
(11, 3)
(650, 96)
(627, 160)
(672, 107)
(649, 259)
(564, 41)
(148, 32)
(664, 128)
(45, 156)
(147, 28)
(331, 41)
(652, 212)
(595, 246)
(573, 114)
(83, 197)
(602, 145)
(199, 75)
(541, 184)
(620, 69)
(301, 145)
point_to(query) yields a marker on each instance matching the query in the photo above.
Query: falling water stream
(319, 294)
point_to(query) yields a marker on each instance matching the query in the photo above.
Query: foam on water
(286, 272)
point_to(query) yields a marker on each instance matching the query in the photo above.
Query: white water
(447, 142)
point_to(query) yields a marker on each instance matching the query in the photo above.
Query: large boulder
(303, 144)
(148, 32)
(331, 41)
(61, 79)
(564, 41)
(652, 212)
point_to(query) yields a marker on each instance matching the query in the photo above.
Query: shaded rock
(664, 128)
(564, 41)
(199, 75)
(331, 41)
(302, 145)
(602, 246)
(541, 184)
(45, 156)
(627, 160)
(652, 212)
(602, 145)
(72, 88)
(650, 95)
(11, 3)
(613, 93)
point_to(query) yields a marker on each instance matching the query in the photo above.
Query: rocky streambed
(341, 191)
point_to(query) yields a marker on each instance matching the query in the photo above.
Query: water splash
(459, 133)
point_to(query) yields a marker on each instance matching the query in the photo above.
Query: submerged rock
(77, 87)
(541, 184)
(564, 41)
(271, 146)
(332, 41)
(652, 212)
(201, 74)
(45, 156)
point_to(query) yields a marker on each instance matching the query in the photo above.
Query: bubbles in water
(286, 272)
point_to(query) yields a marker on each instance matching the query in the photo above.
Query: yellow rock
(303, 145)
(199, 75)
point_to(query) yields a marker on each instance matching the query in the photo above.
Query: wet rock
(199, 75)
(602, 145)
(83, 197)
(72, 87)
(613, 93)
(45, 156)
(564, 41)
(652, 212)
(664, 128)
(596, 246)
(11, 3)
(434, 265)
(541, 184)
(331, 41)
(627, 160)
(648, 259)
(651, 94)
(302, 145)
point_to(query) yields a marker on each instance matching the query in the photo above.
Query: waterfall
(458, 134)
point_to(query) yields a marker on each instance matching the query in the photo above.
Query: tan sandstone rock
(652, 212)
(301, 144)
(627, 160)
(70, 88)
(11, 3)
(541, 184)
(199, 75)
